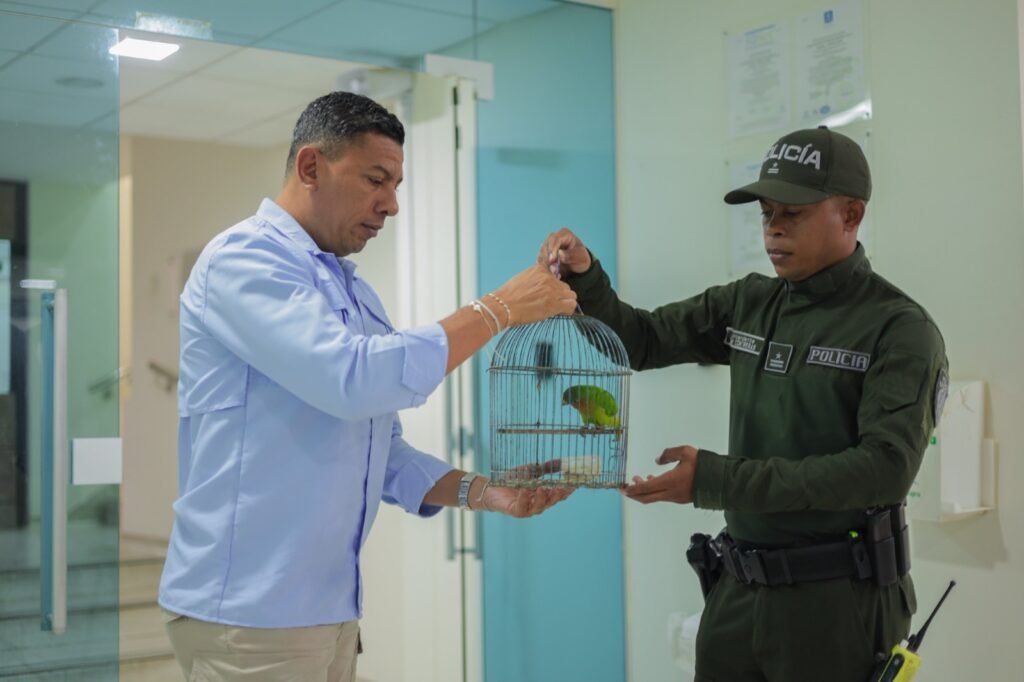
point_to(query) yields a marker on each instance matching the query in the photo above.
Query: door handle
(54, 518)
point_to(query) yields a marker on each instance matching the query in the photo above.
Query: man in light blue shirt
(291, 379)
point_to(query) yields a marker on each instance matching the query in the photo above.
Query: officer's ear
(853, 213)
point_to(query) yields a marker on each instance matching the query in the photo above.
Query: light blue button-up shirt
(291, 376)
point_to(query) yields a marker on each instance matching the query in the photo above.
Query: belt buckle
(753, 566)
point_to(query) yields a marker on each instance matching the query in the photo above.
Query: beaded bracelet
(508, 322)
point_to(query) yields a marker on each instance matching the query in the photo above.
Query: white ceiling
(247, 85)
(221, 93)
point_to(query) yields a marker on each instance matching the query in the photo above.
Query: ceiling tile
(80, 42)
(193, 55)
(245, 18)
(139, 79)
(268, 67)
(488, 10)
(224, 98)
(159, 121)
(6, 56)
(109, 123)
(461, 7)
(357, 27)
(21, 33)
(48, 109)
(33, 73)
(66, 7)
(507, 10)
(275, 131)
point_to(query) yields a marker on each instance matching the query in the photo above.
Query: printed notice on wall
(5, 316)
(759, 79)
(830, 84)
(747, 243)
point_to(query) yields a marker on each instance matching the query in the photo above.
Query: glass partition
(58, 345)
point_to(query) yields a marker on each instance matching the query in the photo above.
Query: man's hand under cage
(521, 502)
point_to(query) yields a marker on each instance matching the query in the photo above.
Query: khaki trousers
(213, 652)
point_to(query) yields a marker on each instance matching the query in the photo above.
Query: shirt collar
(269, 212)
(832, 278)
(281, 220)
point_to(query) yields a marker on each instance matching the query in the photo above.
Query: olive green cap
(808, 166)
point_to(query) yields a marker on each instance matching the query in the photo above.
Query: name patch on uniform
(778, 357)
(839, 358)
(742, 341)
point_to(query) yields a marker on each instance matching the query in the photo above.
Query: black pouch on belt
(881, 546)
(901, 533)
(705, 559)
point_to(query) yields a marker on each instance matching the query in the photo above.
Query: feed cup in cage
(559, 405)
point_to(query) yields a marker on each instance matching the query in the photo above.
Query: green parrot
(596, 406)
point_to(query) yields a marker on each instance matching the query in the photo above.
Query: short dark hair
(339, 118)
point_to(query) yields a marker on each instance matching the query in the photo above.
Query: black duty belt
(844, 559)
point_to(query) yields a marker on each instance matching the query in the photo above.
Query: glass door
(59, 376)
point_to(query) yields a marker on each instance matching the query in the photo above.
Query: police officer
(838, 379)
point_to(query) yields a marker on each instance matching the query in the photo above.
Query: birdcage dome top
(563, 344)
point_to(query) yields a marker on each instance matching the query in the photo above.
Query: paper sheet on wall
(759, 80)
(5, 316)
(746, 247)
(830, 84)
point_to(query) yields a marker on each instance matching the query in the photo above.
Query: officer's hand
(565, 247)
(672, 486)
(530, 296)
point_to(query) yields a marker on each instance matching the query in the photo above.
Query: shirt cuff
(588, 279)
(426, 358)
(415, 480)
(709, 480)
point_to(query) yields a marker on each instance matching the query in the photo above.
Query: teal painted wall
(553, 585)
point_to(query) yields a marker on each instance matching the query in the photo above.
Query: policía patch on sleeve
(941, 393)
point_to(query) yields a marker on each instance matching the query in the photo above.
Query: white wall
(947, 219)
(182, 194)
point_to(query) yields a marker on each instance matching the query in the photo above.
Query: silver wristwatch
(464, 485)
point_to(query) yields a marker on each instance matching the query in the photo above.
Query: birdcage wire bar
(539, 434)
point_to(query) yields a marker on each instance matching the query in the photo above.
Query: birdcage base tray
(559, 483)
(563, 430)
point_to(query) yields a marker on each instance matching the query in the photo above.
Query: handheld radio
(903, 662)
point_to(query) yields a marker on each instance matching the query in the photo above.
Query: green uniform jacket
(836, 381)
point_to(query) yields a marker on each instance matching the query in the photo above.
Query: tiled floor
(143, 647)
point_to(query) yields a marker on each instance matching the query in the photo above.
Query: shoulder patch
(742, 341)
(941, 393)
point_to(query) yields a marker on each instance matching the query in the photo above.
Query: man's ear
(853, 214)
(306, 166)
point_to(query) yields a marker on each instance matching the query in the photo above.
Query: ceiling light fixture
(144, 49)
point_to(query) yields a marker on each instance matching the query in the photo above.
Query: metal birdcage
(559, 405)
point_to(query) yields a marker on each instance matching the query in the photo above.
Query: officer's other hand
(522, 502)
(566, 248)
(532, 295)
(675, 485)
